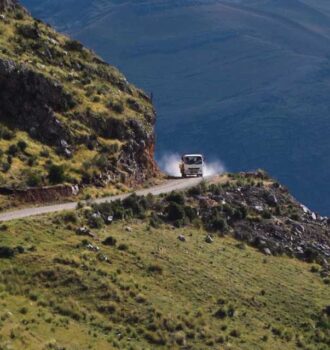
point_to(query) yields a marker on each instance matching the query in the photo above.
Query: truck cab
(192, 165)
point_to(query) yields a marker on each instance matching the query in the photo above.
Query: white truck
(192, 165)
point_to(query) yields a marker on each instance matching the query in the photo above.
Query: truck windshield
(193, 160)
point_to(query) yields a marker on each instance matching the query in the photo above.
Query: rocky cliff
(7, 4)
(62, 106)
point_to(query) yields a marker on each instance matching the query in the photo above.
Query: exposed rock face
(29, 101)
(7, 4)
(274, 227)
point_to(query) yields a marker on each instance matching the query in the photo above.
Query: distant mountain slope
(247, 81)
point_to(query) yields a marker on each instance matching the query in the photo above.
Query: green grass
(152, 291)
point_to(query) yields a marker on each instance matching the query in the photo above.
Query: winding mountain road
(168, 186)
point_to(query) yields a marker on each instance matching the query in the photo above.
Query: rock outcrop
(7, 4)
(29, 102)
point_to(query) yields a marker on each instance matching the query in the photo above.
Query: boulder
(182, 238)
(209, 239)
(267, 251)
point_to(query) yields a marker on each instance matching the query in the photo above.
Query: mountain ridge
(65, 111)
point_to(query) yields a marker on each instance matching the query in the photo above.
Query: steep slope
(246, 81)
(166, 273)
(65, 115)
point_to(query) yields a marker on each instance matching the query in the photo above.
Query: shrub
(155, 268)
(22, 145)
(175, 212)
(5, 167)
(116, 106)
(190, 212)
(155, 221)
(56, 174)
(70, 217)
(266, 214)
(220, 313)
(73, 45)
(219, 224)
(136, 204)
(3, 227)
(6, 252)
(44, 153)
(176, 197)
(6, 134)
(95, 221)
(240, 213)
(12, 150)
(33, 179)
(110, 241)
(235, 333)
(28, 31)
(123, 247)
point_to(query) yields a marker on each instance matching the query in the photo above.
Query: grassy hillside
(65, 112)
(150, 281)
(152, 291)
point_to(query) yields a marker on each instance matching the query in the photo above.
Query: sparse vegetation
(73, 286)
(88, 128)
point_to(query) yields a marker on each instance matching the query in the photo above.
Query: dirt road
(170, 185)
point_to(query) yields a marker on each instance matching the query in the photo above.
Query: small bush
(5, 166)
(116, 106)
(44, 153)
(6, 134)
(175, 212)
(155, 268)
(6, 252)
(123, 247)
(70, 217)
(155, 221)
(176, 197)
(33, 179)
(73, 45)
(110, 241)
(56, 174)
(28, 31)
(235, 333)
(22, 145)
(95, 221)
(12, 150)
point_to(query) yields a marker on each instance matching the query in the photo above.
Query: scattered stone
(109, 220)
(103, 257)
(92, 247)
(83, 231)
(75, 190)
(300, 250)
(182, 238)
(267, 251)
(209, 239)
(305, 209)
